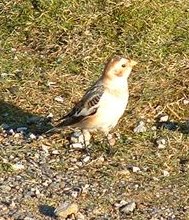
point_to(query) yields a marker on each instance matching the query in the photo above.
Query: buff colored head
(118, 67)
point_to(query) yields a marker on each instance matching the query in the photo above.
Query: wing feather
(86, 107)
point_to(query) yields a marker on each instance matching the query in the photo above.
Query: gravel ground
(39, 174)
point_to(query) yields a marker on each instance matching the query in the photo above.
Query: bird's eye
(123, 65)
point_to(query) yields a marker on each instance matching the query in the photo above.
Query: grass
(67, 42)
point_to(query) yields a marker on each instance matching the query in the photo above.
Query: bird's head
(118, 67)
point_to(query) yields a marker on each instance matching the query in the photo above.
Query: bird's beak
(132, 63)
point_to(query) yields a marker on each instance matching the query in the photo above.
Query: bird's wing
(86, 107)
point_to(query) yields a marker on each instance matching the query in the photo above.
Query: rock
(186, 101)
(66, 209)
(50, 115)
(120, 204)
(154, 218)
(161, 143)
(12, 205)
(75, 193)
(111, 139)
(128, 208)
(86, 159)
(79, 164)
(11, 132)
(28, 218)
(77, 137)
(21, 129)
(55, 152)
(85, 189)
(37, 192)
(77, 146)
(59, 99)
(40, 137)
(18, 166)
(135, 169)
(153, 128)
(166, 173)
(163, 118)
(140, 127)
(32, 136)
(80, 137)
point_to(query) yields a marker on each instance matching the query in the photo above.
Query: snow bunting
(104, 102)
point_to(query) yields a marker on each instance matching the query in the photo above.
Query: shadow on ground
(182, 127)
(13, 117)
(47, 210)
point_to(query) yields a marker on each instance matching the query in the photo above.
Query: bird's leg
(86, 139)
(110, 143)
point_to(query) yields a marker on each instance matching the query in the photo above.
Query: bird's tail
(52, 130)
(56, 128)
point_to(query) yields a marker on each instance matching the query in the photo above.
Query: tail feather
(52, 130)
(62, 124)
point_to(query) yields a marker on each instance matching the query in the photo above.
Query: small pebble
(28, 218)
(154, 218)
(120, 204)
(153, 128)
(111, 139)
(66, 209)
(32, 136)
(59, 99)
(55, 152)
(77, 146)
(161, 143)
(18, 166)
(21, 129)
(163, 118)
(86, 159)
(12, 205)
(40, 137)
(76, 192)
(79, 164)
(166, 173)
(50, 115)
(77, 137)
(85, 189)
(128, 208)
(11, 131)
(135, 169)
(140, 127)
(186, 101)
(37, 192)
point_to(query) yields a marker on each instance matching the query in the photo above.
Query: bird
(104, 102)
